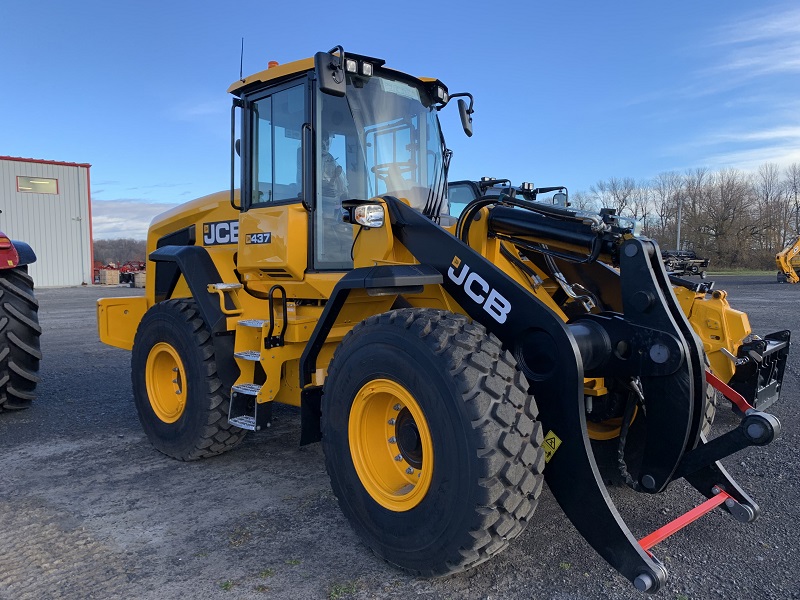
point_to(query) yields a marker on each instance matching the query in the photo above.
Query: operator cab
(315, 134)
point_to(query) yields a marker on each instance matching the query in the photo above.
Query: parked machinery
(444, 364)
(788, 261)
(19, 326)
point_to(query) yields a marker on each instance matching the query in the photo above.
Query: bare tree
(791, 182)
(666, 190)
(119, 251)
(615, 193)
(583, 201)
(690, 202)
(728, 221)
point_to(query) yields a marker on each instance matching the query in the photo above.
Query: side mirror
(466, 117)
(330, 72)
(560, 199)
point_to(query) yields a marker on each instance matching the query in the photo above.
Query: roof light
(526, 186)
(351, 65)
(441, 94)
(366, 69)
(369, 215)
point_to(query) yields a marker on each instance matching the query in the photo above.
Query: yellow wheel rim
(166, 382)
(608, 429)
(391, 445)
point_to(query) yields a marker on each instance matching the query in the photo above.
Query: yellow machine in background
(448, 365)
(788, 261)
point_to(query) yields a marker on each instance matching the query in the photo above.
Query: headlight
(369, 215)
(351, 65)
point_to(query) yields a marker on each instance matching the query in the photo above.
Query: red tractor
(19, 326)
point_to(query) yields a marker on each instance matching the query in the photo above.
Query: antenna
(241, 61)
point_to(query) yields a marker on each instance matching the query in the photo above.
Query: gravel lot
(89, 510)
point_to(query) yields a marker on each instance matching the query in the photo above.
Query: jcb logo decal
(220, 232)
(479, 290)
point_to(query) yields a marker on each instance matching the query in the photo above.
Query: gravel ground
(89, 510)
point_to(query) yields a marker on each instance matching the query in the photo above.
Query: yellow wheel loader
(788, 262)
(446, 377)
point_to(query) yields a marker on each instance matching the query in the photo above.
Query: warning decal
(550, 444)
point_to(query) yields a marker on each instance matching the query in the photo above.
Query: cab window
(277, 132)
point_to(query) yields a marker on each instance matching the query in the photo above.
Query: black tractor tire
(19, 339)
(480, 477)
(181, 402)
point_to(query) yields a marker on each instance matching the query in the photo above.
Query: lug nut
(392, 440)
(399, 457)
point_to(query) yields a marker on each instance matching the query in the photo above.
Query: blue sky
(566, 93)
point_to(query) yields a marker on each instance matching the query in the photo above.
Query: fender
(196, 266)
(25, 252)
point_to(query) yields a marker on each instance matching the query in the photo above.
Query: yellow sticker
(456, 262)
(550, 445)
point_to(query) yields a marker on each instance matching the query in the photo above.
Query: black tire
(19, 339)
(485, 466)
(193, 422)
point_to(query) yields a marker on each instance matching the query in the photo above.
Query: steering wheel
(385, 170)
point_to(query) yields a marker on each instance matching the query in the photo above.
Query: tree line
(119, 251)
(736, 219)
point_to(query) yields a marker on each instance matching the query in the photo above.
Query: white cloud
(757, 58)
(124, 218)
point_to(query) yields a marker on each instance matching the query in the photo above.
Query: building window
(37, 185)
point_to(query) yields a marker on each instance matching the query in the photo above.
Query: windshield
(382, 138)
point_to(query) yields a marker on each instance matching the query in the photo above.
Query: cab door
(274, 224)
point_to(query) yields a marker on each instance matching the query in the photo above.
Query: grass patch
(342, 590)
(266, 573)
(239, 536)
(226, 585)
(293, 561)
(723, 272)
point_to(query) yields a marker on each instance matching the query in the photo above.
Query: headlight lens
(369, 215)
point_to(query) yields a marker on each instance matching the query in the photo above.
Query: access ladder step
(253, 355)
(227, 286)
(245, 412)
(257, 323)
(244, 422)
(251, 389)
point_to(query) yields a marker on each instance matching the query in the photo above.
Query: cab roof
(293, 68)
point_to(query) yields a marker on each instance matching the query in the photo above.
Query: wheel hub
(391, 445)
(408, 440)
(166, 382)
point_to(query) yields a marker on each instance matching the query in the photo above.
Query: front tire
(19, 339)
(182, 405)
(431, 440)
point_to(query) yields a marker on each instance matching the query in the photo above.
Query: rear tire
(431, 440)
(19, 339)
(179, 397)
